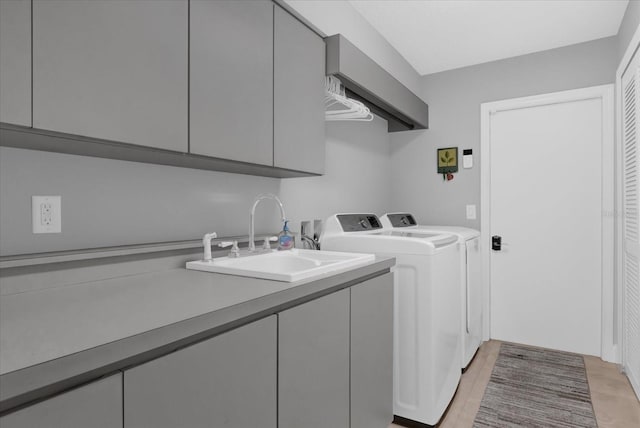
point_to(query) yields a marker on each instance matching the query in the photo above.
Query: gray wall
(108, 202)
(628, 27)
(357, 177)
(454, 99)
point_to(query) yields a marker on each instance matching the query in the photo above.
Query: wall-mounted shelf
(369, 83)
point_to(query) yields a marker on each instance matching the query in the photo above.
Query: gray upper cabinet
(227, 85)
(231, 59)
(15, 62)
(313, 363)
(114, 70)
(227, 381)
(372, 353)
(299, 65)
(97, 405)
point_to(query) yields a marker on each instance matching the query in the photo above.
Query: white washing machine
(471, 276)
(426, 310)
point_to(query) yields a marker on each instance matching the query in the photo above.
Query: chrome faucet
(252, 244)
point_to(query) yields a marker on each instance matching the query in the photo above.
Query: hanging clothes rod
(339, 106)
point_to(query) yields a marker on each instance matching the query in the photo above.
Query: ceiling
(439, 35)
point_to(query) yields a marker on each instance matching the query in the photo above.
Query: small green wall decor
(447, 162)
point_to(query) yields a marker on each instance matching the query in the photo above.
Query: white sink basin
(287, 266)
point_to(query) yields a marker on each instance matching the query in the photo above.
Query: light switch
(471, 212)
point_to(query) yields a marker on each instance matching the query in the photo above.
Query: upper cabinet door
(299, 130)
(15, 62)
(231, 87)
(115, 70)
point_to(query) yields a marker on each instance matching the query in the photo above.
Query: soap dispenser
(285, 238)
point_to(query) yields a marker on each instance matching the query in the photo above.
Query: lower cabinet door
(372, 353)
(227, 381)
(96, 405)
(313, 364)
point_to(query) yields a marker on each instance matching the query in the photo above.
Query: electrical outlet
(46, 214)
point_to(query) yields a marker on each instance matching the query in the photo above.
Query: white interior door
(546, 202)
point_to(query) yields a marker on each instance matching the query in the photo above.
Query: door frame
(609, 346)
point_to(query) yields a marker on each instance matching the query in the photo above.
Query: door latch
(496, 243)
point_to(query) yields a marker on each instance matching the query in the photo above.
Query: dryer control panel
(401, 220)
(359, 222)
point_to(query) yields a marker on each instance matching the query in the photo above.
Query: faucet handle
(266, 245)
(235, 251)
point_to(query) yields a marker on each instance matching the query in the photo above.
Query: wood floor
(614, 402)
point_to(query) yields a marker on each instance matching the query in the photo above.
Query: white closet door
(631, 237)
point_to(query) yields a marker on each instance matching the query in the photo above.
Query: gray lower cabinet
(227, 381)
(313, 363)
(231, 88)
(96, 405)
(298, 95)
(114, 70)
(15, 62)
(372, 353)
(326, 363)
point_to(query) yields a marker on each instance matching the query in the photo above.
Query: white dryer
(426, 310)
(471, 276)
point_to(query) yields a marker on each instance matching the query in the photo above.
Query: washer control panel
(359, 222)
(401, 220)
